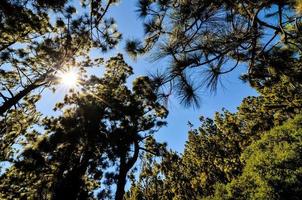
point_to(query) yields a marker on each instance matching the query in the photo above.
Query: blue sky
(175, 134)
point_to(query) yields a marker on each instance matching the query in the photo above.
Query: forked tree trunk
(124, 169)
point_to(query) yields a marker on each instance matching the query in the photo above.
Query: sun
(69, 78)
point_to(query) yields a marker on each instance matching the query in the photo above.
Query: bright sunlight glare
(69, 78)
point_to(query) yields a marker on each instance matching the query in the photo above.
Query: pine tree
(104, 126)
(35, 49)
(272, 166)
(40, 39)
(213, 38)
(213, 153)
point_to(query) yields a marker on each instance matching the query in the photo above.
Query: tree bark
(15, 99)
(121, 182)
(124, 169)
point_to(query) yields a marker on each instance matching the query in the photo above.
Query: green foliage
(40, 39)
(106, 127)
(215, 154)
(272, 166)
(34, 50)
(215, 166)
(213, 38)
(103, 127)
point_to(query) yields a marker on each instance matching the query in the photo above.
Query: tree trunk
(124, 168)
(121, 182)
(15, 99)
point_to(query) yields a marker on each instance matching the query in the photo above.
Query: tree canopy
(39, 40)
(221, 158)
(105, 125)
(272, 166)
(102, 143)
(33, 51)
(205, 39)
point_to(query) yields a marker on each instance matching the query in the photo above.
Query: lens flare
(69, 78)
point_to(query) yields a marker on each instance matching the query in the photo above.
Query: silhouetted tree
(104, 126)
(33, 50)
(40, 39)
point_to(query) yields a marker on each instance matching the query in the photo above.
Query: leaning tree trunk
(124, 169)
(15, 99)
